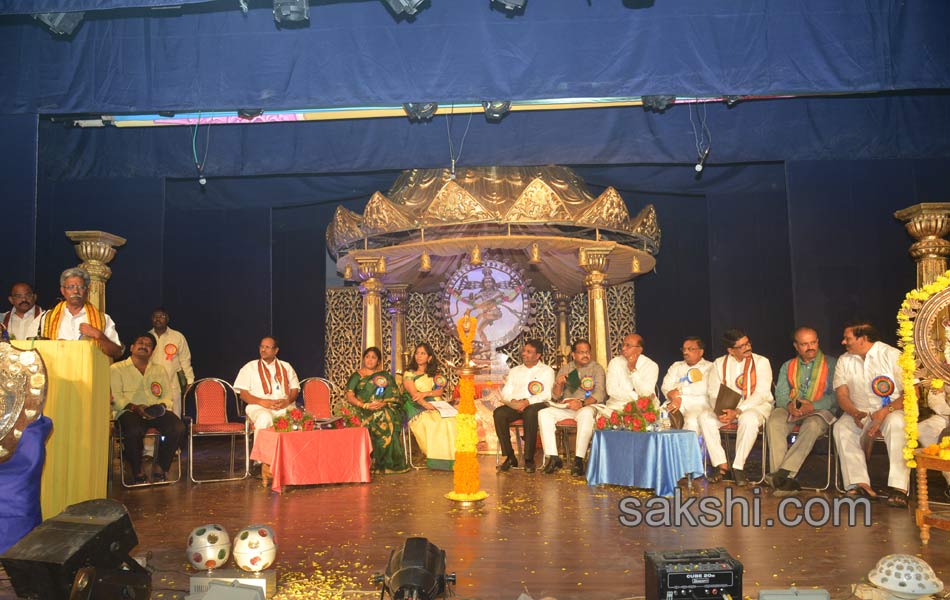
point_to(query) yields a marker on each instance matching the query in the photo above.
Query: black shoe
(529, 467)
(946, 493)
(508, 464)
(554, 463)
(139, 480)
(577, 469)
(741, 479)
(158, 477)
(789, 487)
(716, 475)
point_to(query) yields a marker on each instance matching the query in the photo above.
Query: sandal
(716, 475)
(859, 492)
(897, 499)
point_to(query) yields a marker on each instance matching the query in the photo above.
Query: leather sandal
(897, 499)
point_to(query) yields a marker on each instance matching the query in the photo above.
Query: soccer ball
(255, 548)
(209, 547)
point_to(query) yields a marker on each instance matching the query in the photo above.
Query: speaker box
(95, 533)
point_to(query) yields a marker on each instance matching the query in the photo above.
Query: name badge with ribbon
(693, 375)
(439, 382)
(740, 381)
(156, 389)
(535, 388)
(883, 386)
(587, 384)
(380, 382)
(170, 351)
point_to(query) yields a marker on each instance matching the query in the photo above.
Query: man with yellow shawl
(805, 396)
(75, 318)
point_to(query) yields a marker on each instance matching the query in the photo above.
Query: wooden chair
(211, 420)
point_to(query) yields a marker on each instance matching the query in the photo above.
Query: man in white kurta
(268, 385)
(684, 385)
(76, 318)
(23, 319)
(630, 376)
(579, 383)
(930, 429)
(173, 354)
(871, 396)
(750, 375)
(526, 391)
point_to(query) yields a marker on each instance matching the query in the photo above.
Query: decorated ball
(255, 548)
(905, 576)
(209, 547)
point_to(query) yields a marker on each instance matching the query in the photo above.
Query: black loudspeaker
(95, 533)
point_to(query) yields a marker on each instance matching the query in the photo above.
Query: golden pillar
(370, 268)
(398, 294)
(96, 249)
(594, 262)
(928, 223)
(562, 303)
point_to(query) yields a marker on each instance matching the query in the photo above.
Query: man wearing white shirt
(23, 320)
(931, 429)
(173, 354)
(685, 387)
(630, 376)
(75, 318)
(871, 396)
(750, 375)
(267, 385)
(527, 390)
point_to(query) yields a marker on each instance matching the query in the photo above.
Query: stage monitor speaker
(95, 533)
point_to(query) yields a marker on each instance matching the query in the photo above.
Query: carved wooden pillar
(928, 223)
(372, 289)
(594, 262)
(398, 294)
(96, 249)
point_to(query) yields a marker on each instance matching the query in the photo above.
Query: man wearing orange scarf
(805, 396)
(268, 386)
(74, 318)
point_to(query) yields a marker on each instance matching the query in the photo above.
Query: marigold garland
(466, 476)
(908, 360)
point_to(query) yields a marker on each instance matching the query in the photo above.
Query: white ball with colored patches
(209, 547)
(255, 548)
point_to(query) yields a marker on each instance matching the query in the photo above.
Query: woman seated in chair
(374, 393)
(434, 433)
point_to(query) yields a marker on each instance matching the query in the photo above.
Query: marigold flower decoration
(466, 481)
(635, 416)
(294, 420)
(908, 360)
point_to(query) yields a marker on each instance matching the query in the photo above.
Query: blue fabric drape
(20, 481)
(654, 461)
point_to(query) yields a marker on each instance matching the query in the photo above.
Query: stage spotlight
(416, 571)
(61, 23)
(420, 111)
(291, 11)
(510, 5)
(658, 103)
(250, 113)
(495, 110)
(408, 7)
(731, 100)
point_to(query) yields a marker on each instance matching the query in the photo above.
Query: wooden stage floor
(546, 535)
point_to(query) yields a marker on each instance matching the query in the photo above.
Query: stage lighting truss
(407, 7)
(420, 111)
(291, 11)
(495, 110)
(658, 103)
(510, 5)
(61, 23)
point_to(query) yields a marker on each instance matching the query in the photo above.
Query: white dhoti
(262, 417)
(547, 426)
(748, 429)
(854, 468)
(699, 418)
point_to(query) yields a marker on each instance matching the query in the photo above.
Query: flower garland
(908, 360)
(466, 482)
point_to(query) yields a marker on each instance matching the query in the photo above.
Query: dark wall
(18, 151)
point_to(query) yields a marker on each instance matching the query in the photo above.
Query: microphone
(701, 159)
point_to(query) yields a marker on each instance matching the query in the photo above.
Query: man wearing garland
(22, 322)
(579, 383)
(268, 385)
(804, 396)
(870, 393)
(141, 399)
(173, 354)
(75, 318)
(526, 391)
(685, 386)
(749, 375)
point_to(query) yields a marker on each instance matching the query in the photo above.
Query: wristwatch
(890, 408)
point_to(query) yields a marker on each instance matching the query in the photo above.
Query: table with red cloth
(313, 457)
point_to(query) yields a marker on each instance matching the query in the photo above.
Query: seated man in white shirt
(750, 375)
(686, 391)
(268, 386)
(932, 429)
(23, 320)
(870, 391)
(75, 318)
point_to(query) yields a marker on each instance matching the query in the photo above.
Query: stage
(546, 535)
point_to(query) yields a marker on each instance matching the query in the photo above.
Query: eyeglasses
(741, 346)
(75, 288)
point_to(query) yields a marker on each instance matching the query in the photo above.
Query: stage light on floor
(417, 571)
(495, 110)
(407, 7)
(291, 11)
(658, 103)
(420, 111)
(61, 23)
(904, 576)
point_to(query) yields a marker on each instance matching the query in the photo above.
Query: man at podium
(75, 318)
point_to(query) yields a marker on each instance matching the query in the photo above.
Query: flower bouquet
(295, 419)
(635, 416)
(350, 419)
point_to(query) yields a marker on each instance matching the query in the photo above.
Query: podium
(77, 401)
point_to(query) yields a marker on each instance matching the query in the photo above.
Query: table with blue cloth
(652, 460)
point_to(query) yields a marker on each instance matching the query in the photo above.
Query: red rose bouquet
(350, 419)
(635, 416)
(295, 419)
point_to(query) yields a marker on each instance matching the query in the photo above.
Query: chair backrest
(316, 397)
(211, 401)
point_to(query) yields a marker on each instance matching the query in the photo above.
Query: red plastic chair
(211, 420)
(316, 397)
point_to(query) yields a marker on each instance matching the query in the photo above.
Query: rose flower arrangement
(635, 416)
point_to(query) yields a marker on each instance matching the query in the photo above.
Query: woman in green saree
(434, 433)
(374, 394)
